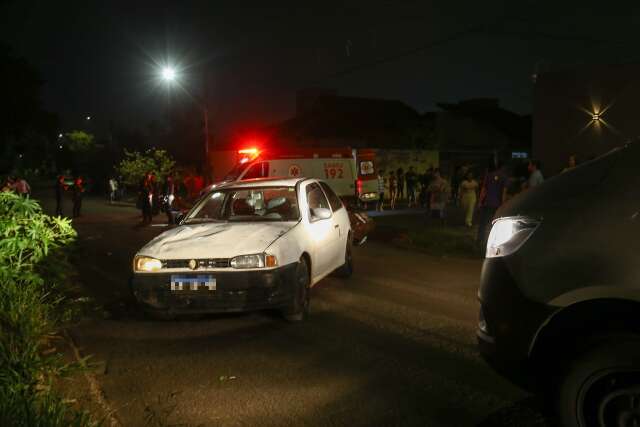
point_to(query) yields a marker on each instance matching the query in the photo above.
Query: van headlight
(254, 261)
(146, 264)
(508, 235)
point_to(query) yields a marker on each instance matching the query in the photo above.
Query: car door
(324, 233)
(341, 222)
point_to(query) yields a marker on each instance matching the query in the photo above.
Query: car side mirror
(320, 213)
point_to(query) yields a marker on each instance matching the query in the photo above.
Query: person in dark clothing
(412, 179)
(78, 190)
(60, 187)
(425, 195)
(147, 197)
(400, 178)
(170, 195)
(492, 195)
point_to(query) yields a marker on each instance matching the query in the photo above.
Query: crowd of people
(428, 190)
(75, 186)
(478, 195)
(16, 184)
(155, 196)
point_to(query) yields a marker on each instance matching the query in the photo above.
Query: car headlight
(253, 261)
(143, 263)
(508, 235)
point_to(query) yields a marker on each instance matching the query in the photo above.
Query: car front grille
(202, 263)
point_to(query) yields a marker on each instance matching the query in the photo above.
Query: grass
(428, 235)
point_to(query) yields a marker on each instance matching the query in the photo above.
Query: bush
(32, 309)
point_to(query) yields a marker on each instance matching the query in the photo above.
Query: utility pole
(206, 172)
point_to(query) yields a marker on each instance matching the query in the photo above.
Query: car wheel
(602, 386)
(298, 310)
(347, 268)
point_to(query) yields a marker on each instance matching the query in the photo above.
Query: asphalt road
(393, 345)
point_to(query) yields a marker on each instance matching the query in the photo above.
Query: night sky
(101, 57)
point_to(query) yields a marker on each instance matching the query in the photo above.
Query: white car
(248, 245)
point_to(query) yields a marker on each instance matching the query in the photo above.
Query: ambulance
(349, 172)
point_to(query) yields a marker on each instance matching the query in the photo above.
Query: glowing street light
(168, 74)
(88, 117)
(595, 117)
(59, 135)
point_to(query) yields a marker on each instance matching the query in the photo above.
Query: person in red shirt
(198, 185)
(22, 187)
(78, 191)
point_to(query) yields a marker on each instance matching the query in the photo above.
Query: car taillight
(359, 186)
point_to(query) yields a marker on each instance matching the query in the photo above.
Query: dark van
(560, 291)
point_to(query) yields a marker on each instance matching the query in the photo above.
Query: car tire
(346, 270)
(298, 310)
(602, 385)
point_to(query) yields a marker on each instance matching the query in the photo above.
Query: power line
(557, 37)
(395, 57)
(480, 29)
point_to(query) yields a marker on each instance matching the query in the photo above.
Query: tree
(80, 141)
(136, 164)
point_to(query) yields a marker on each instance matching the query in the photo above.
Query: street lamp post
(169, 75)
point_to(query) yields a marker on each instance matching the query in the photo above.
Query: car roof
(262, 182)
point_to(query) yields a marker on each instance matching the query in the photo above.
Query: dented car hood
(215, 240)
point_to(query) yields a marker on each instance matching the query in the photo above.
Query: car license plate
(193, 283)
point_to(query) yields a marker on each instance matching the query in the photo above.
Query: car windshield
(247, 204)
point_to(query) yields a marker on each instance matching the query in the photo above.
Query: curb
(94, 387)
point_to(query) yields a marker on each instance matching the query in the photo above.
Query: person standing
(380, 204)
(61, 188)
(198, 185)
(412, 179)
(535, 175)
(170, 195)
(428, 178)
(393, 189)
(467, 196)
(22, 187)
(113, 189)
(188, 184)
(147, 197)
(78, 191)
(400, 183)
(439, 189)
(493, 193)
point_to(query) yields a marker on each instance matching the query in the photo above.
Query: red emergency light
(247, 154)
(251, 151)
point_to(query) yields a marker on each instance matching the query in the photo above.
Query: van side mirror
(320, 213)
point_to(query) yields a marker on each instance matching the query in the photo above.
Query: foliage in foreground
(33, 270)
(136, 164)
